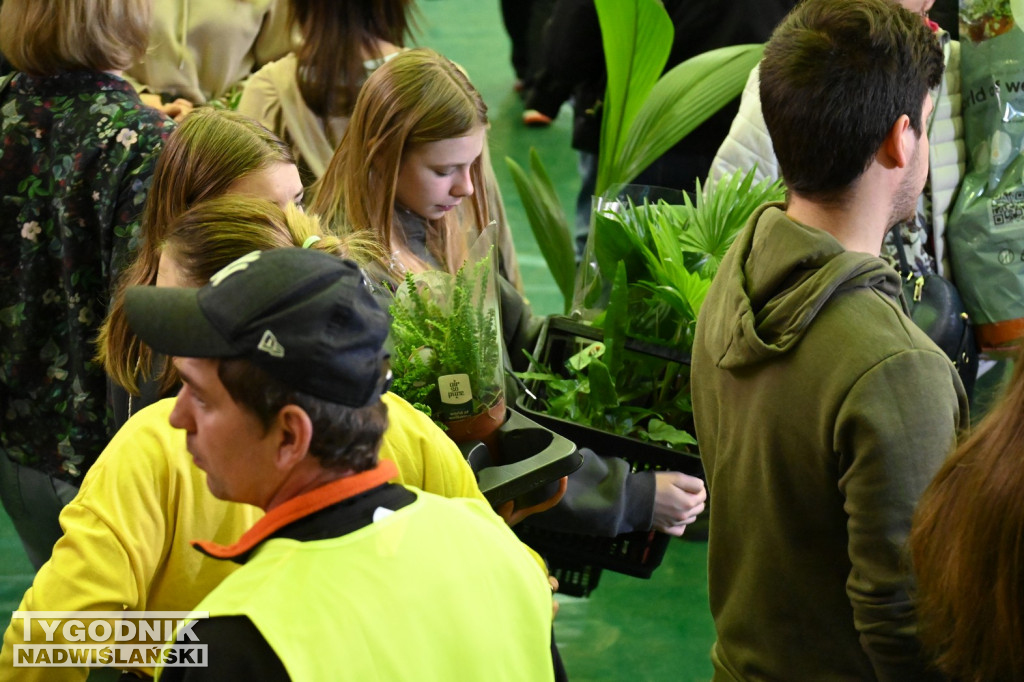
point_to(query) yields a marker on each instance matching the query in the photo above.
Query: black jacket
(572, 60)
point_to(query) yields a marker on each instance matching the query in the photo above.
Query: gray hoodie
(822, 413)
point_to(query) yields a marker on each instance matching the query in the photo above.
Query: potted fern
(445, 344)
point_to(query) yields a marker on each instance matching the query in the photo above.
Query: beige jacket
(200, 49)
(272, 97)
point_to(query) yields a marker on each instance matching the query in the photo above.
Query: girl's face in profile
(278, 183)
(434, 177)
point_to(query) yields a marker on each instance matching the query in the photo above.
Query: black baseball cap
(305, 317)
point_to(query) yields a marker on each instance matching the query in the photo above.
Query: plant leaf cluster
(645, 114)
(671, 250)
(543, 208)
(446, 324)
(655, 263)
(667, 254)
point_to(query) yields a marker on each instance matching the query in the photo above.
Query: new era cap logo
(270, 345)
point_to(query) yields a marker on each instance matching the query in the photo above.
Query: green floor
(629, 629)
(15, 570)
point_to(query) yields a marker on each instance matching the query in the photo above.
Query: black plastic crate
(578, 560)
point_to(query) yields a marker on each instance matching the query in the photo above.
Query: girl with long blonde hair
(411, 177)
(412, 172)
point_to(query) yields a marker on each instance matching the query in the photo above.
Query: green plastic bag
(986, 229)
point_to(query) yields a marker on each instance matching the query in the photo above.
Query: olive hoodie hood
(770, 300)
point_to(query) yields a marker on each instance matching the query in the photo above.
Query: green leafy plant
(644, 114)
(445, 343)
(230, 99)
(654, 265)
(543, 209)
(588, 389)
(672, 250)
(647, 113)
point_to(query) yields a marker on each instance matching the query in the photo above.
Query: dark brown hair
(835, 77)
(344, 438)
(335, 38)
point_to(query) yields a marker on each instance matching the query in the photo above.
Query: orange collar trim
(300, 507)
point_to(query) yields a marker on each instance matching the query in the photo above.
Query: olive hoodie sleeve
(888, 452)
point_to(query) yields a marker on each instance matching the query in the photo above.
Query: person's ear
(897, 150)
(295, 432)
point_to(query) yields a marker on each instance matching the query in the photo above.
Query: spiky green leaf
(548, 222)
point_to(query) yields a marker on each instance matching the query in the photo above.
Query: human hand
(178, 109)
(512, 516)
(678, 499)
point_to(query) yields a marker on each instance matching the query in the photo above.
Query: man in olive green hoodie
(821, 410)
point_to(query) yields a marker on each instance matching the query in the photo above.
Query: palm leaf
(720, 212)
(548, 222)
(637, 38)
(643, 116)
(680, 101)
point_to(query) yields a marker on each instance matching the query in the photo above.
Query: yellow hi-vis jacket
(440, 589)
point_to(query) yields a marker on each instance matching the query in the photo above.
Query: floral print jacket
(77, 152)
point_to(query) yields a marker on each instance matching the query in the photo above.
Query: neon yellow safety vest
(439, 590)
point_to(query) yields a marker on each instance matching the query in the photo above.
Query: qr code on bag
(1007, 208)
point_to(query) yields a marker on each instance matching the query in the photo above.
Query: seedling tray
(577, 560)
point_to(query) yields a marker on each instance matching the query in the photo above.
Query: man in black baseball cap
(305, 318)
(282, 363)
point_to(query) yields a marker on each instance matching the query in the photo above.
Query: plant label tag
(454, 389)
(583, 358)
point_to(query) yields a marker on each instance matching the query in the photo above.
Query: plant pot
(478, 427)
